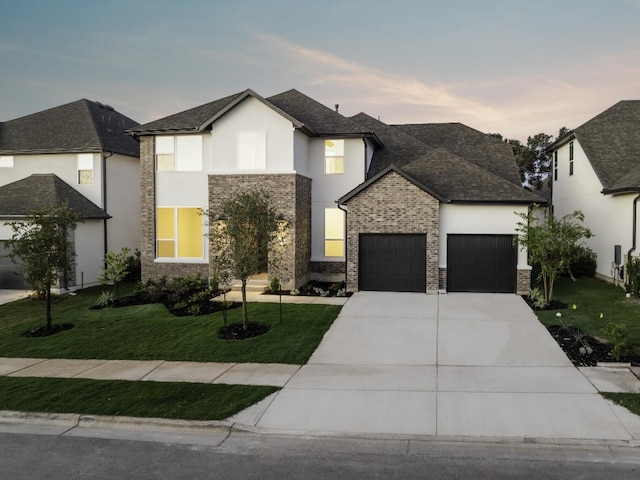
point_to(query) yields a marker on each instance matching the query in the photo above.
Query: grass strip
(187, 401)
(630, 401)
(150, 332)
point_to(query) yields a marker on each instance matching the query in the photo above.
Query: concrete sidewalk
(457, 365)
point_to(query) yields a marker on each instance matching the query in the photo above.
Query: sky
(515, 67)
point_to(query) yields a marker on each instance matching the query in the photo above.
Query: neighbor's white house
(422, 207)
(76, 153)
(596, 169)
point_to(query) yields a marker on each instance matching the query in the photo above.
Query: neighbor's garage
(10, 276)
(481, 263)
(392, 262)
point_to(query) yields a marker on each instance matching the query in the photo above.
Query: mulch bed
(205, 305)
(43, 332)
(236, 331)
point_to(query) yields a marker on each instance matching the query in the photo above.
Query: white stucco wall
(252, 115)
(608, 216)
(123, 202)
(89, 253)
(479, 219)
(326, 189)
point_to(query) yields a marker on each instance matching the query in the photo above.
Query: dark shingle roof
(80, 126)
(442, 171)
(474, 146)
(22, 196)
(611, 142)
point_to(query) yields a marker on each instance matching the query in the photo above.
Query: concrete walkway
(472, 365)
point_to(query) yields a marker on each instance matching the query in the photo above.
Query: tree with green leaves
(114, 270)
(41, 242)
(551, 244)
(245, 226)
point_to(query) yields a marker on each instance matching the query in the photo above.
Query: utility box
(617, 254)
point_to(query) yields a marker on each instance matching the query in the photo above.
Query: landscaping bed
(315, 288)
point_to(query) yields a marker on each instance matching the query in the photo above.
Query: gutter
(634, 223)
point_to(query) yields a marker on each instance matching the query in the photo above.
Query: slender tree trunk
(551, 281)
(245, 315)
(48, 295)
(224, 307)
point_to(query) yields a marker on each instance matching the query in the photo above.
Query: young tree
(114, 270)
(551, 243)
(42, 242)
(246, 224)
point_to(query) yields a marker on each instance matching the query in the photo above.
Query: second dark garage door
(481, 263)
(392, 262)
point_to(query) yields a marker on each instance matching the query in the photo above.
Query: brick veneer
(393, 205)
(290, 195)
(523, 281)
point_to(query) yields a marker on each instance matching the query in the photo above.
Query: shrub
(537, 298)
(105, 299)
(618, 337)
(632, 276)
(275, 284)
(584, 262)
(134, 267)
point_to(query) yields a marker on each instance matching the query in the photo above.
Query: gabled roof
(19, 198)
(80, 126)
(611, 142)
(474, 146)
(449, 175)
(303, 112)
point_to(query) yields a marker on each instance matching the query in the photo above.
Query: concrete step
(253, 285)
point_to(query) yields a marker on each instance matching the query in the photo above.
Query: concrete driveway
(478, 365)
(7, 296)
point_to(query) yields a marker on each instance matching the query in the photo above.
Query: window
(252, 150)
(6, 161)
(555, 165)
(179, 153)
(333, 232)
(179, 232)
(571, 158)
(333, 157)
(85, 168)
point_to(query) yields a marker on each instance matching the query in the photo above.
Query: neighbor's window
(333, 232)
(252, 150)
(555, 165)
(179, 232)
(6, 161)
(333, 156)
(85, 168)
(182, 153)
(571, 158)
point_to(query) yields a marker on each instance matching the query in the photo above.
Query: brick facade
(523, 282)
(393, 205)
(290, 196)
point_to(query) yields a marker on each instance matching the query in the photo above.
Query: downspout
(104, 201)
(346, 260)
(634, 223)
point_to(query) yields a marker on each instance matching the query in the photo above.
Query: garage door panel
(481, 263)
(10, 276)
(392, 262)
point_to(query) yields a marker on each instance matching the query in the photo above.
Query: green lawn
(149, 332)
(593, 297)
(630, 401)
(188, 401)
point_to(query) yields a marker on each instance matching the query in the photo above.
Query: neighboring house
(79, 154)
(596, 169)
(428, 207)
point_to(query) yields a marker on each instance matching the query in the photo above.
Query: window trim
(85, 166)
(175, 227)
(326, 238)
(170, 153)
(330, 155)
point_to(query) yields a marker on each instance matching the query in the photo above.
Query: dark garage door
(481, 263)
(10, 276)
(393, 263)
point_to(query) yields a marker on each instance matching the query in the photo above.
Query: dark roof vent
(337, 107)
(99, 104)
(109, 107)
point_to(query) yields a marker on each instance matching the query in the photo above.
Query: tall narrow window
(571, 158)
(6, 161)
(333, 156)
(179, 232)
(333, 232)
(181, 153)
(555, 165)
(252, 150)
(85, 168)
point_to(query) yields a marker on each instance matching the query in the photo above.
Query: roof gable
(611, 142)
(80, 126)
(21, 197)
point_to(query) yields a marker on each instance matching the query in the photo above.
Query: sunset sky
(510, 66)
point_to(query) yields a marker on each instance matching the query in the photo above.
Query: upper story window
(333, 156)
(179, 232)
(333, 232)
(181, 153)
(252, 150)
(6, 161)
(85, 168)
(555, 165)
(571, 158)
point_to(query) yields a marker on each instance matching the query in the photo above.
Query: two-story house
(411, 208)
(596, 169)
(77, 153)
